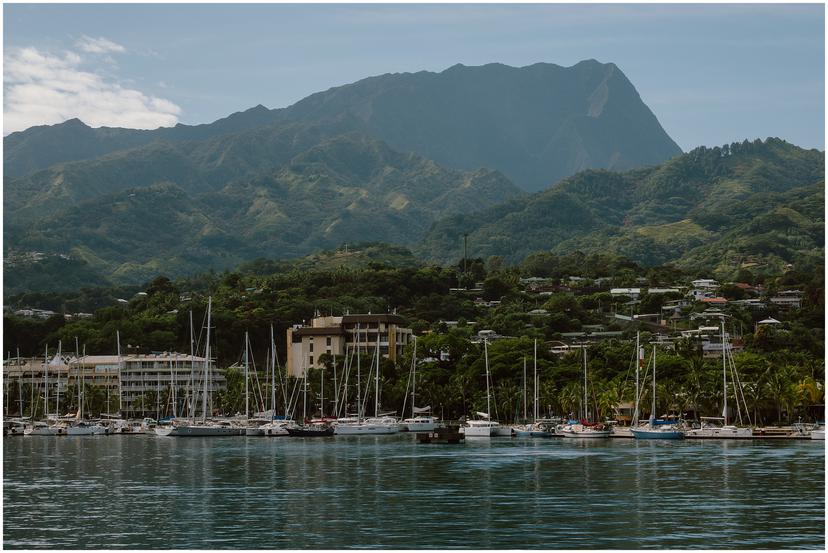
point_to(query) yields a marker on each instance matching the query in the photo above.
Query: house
(788, 299)
(633, 293)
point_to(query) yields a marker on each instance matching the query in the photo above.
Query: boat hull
(195, 431)
(310, 433)
(584, 434)
(364, 429)
(641, 434)
(818, 435)
(720, 433)
(533, 433)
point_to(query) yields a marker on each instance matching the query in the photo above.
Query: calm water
(388, 491)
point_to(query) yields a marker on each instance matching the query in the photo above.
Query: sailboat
(309, 429)
(537, 428)
(206, 427)
(719, 427)
(655, 429)
(483, 427)
(583, 428)
(379, 423)
(421, 419)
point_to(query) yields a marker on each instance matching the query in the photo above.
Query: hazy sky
(711, 73)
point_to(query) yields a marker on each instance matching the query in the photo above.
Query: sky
(712, 74)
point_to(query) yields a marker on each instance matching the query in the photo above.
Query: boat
(583, 428)
(442, 435)
(190, 428)
(421, 419)
(311, 430)
(41, 428)
(655, 429)
(536, 428)
(719, 427)
(818, 433)
(484, 427)
(13, 427)
(378, 424)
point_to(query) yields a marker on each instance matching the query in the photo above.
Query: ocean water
(390, 492)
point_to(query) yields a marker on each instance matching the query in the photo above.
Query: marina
(237, 492)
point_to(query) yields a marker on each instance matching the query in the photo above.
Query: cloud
(98, 45)
(43, 89)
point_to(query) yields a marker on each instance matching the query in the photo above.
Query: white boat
(378, 424)
(14, 428)
(421, 419)
(717, 427)
(276, 428)
(655, 429)
(41, 428)
(484, 427)
(210, 428)
(537, 428)
(818, 434)
(583, 429)
(422, 423)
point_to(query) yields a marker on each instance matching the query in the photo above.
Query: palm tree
(571, 397)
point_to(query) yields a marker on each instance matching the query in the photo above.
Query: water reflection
(381, 491)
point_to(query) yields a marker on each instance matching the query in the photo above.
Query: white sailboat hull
(818, 434)
(196, 430)
(366, 428)
(719, 432)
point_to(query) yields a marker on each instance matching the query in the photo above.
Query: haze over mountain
(751, 204)
(536, 124)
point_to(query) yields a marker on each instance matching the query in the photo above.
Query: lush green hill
(747, 204)
(535, 124)
(349, 188)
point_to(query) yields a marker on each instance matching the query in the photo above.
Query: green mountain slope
(756, 204)
(349, 188)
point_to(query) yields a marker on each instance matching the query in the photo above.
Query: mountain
(179, 217)
(535, 124)
(752, 205)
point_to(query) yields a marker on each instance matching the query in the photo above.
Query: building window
(328, 341)
(310, 360)
(311, 346)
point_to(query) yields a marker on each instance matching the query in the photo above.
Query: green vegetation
(781, 367)
(757, 205)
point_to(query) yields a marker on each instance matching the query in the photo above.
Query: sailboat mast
(638, 360)
(525, 416)
(246, 380)
(653, 411)
(376, 378)
(488, 395)
(46, 383)
(19, 384)
(191, 410)
(273, 376)
(586, 409)
(322, 393)
(359, 379)
(57, 378)
(724, 375)
(536, 380)
(336, 389)
(206, 361)
(120, 384)
(78, 381)
(413, 378)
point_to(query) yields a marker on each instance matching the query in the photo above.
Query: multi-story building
(128, 380)
(341, 335)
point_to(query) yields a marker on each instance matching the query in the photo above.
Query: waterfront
(378, 491)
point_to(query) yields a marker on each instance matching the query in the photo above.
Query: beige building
(125, 378)
(340, 335)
